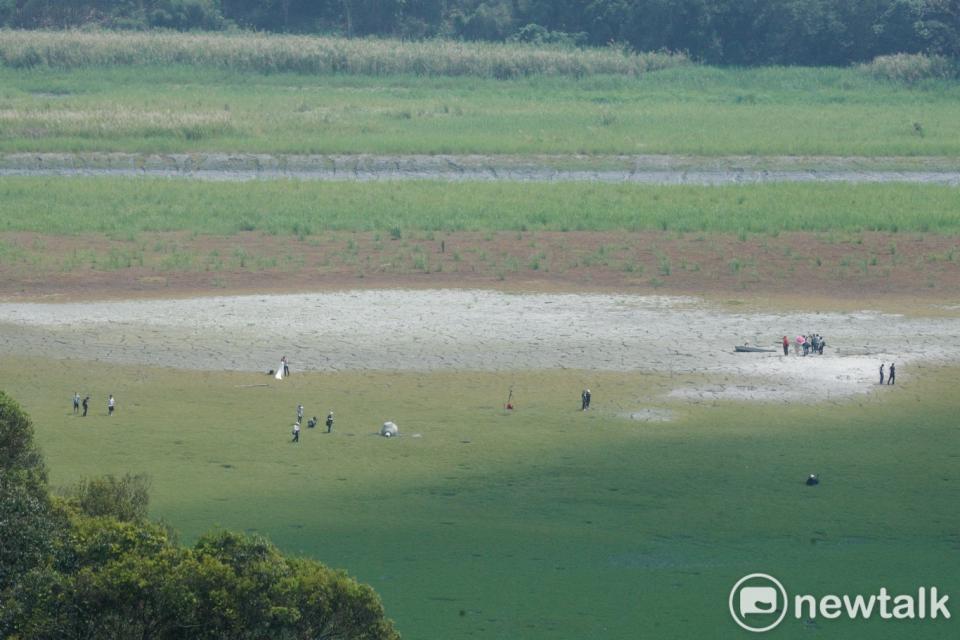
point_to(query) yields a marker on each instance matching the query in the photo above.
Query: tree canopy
(740, 32)
(90, 564)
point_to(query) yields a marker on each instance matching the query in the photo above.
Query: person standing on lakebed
(881, 373)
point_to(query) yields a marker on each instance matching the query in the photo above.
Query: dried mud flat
(449, 329)
(640, 169)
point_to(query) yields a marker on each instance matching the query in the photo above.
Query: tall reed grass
(319, 55)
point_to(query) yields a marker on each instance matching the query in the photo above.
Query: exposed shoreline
(456, 330)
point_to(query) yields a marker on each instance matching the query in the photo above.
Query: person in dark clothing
(286, 366)
(786, 345)
(86, 405)
(330, 422)
(312, 422)
(881, 373)
(813, 480)
(587, 398)
(893, 373)
(583, 400)
(821, 345)
(296, 432)
(76, 403)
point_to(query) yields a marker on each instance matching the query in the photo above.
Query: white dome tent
(389, 430)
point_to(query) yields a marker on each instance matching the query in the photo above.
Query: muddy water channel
(606, 169)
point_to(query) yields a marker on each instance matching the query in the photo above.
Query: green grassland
(124, 207)
(547, 522)
(683, 110)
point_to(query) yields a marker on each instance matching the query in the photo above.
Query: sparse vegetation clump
(911, 68)
(320, 55)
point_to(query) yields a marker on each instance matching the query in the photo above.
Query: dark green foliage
(125, 499)
(17, 453)
(808, 32)
(128, 580)
(27, 523)
(25, 527)
(93, 566)
(112, 580)
(122, 14)
(185, 15)
(26, 530)
(245, 589)
(536, 34)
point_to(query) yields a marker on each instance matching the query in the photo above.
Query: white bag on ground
(389, 429)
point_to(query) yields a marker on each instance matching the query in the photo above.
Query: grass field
(123, 206)
(546, 523)
(686, 110)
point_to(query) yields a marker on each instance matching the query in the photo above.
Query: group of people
(892, 378)
(813, 343)
(311, 423)
(85, 404)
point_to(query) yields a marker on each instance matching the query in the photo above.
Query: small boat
(748, 349)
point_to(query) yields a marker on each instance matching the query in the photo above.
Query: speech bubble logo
(758, 599)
